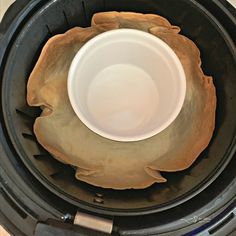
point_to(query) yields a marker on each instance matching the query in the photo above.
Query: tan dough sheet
(106, 163)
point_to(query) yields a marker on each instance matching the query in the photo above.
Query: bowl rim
(103, 36)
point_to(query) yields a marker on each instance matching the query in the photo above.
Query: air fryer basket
(218, 60)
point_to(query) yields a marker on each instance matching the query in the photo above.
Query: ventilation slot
(85, 12)
(29, 136)
(49, 31)
(66, 19)
(222, 224)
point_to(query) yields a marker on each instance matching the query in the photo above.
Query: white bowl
(126, 85)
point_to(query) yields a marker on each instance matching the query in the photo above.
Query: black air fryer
(40, 196)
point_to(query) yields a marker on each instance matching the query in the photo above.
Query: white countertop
(4, 4)
(233, 2)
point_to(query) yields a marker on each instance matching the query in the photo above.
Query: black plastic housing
(41, 188)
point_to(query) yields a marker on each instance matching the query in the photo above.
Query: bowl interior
(120, 84)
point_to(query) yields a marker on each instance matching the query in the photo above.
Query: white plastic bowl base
(126, 85)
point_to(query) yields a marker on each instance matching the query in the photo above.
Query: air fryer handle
(64, 229)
